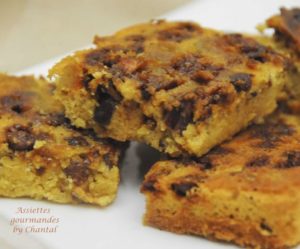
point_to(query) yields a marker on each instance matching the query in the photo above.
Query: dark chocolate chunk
(78, 170)
(266, 227)
(149, 186)
(258, 161)
(145, 93)
(181, 189)
(103, 113)
(87, 79)
(150, 122)
(179, 117)
(108, 98)
(241, 81)
(20, 138)
(103, 93)
(77, 141)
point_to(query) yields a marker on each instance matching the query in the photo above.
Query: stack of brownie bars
(223, 107)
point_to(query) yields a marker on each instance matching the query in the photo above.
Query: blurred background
(32, 31)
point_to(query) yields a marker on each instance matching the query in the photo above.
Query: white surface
(119, 225)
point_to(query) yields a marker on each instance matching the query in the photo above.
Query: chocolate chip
(102, 57)
(181, 189)
(14, 103)
(144, 92)
(40, 171)
(270, 133)
(110, 91)
(258, 161)
(292, 160)
(57, 119)
(108, 98)
(17, 108)
(257, 52)
(103, 113)
(219, 96)
(78, 170)
(108, 160)
(266, 227)
(20, 138)
(77, 141)
(149, 186)
(241, 81)
(87, 79)
(150, 122)
(179, 117)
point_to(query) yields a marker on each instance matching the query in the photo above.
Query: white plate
(120, 225)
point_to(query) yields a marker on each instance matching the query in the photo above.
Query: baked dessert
(245, 191)
(286, 40)
(43, 157)
(176, 86)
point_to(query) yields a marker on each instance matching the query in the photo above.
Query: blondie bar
(176, 86)
(43, 157)
(245, 191)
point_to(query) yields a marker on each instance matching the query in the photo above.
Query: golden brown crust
(244, 191)
(180, 80)
(43, 156)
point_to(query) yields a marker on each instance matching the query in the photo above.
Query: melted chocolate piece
(20, 138)
(241, 81)
(78, 170)
(181, 189)
(178, 118)
(108, 98)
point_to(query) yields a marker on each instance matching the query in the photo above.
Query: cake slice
(43, 157)
(245, 191)
(176, 86)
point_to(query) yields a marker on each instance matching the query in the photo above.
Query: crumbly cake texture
(43, 157)
(245, 191)
(176, 86)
